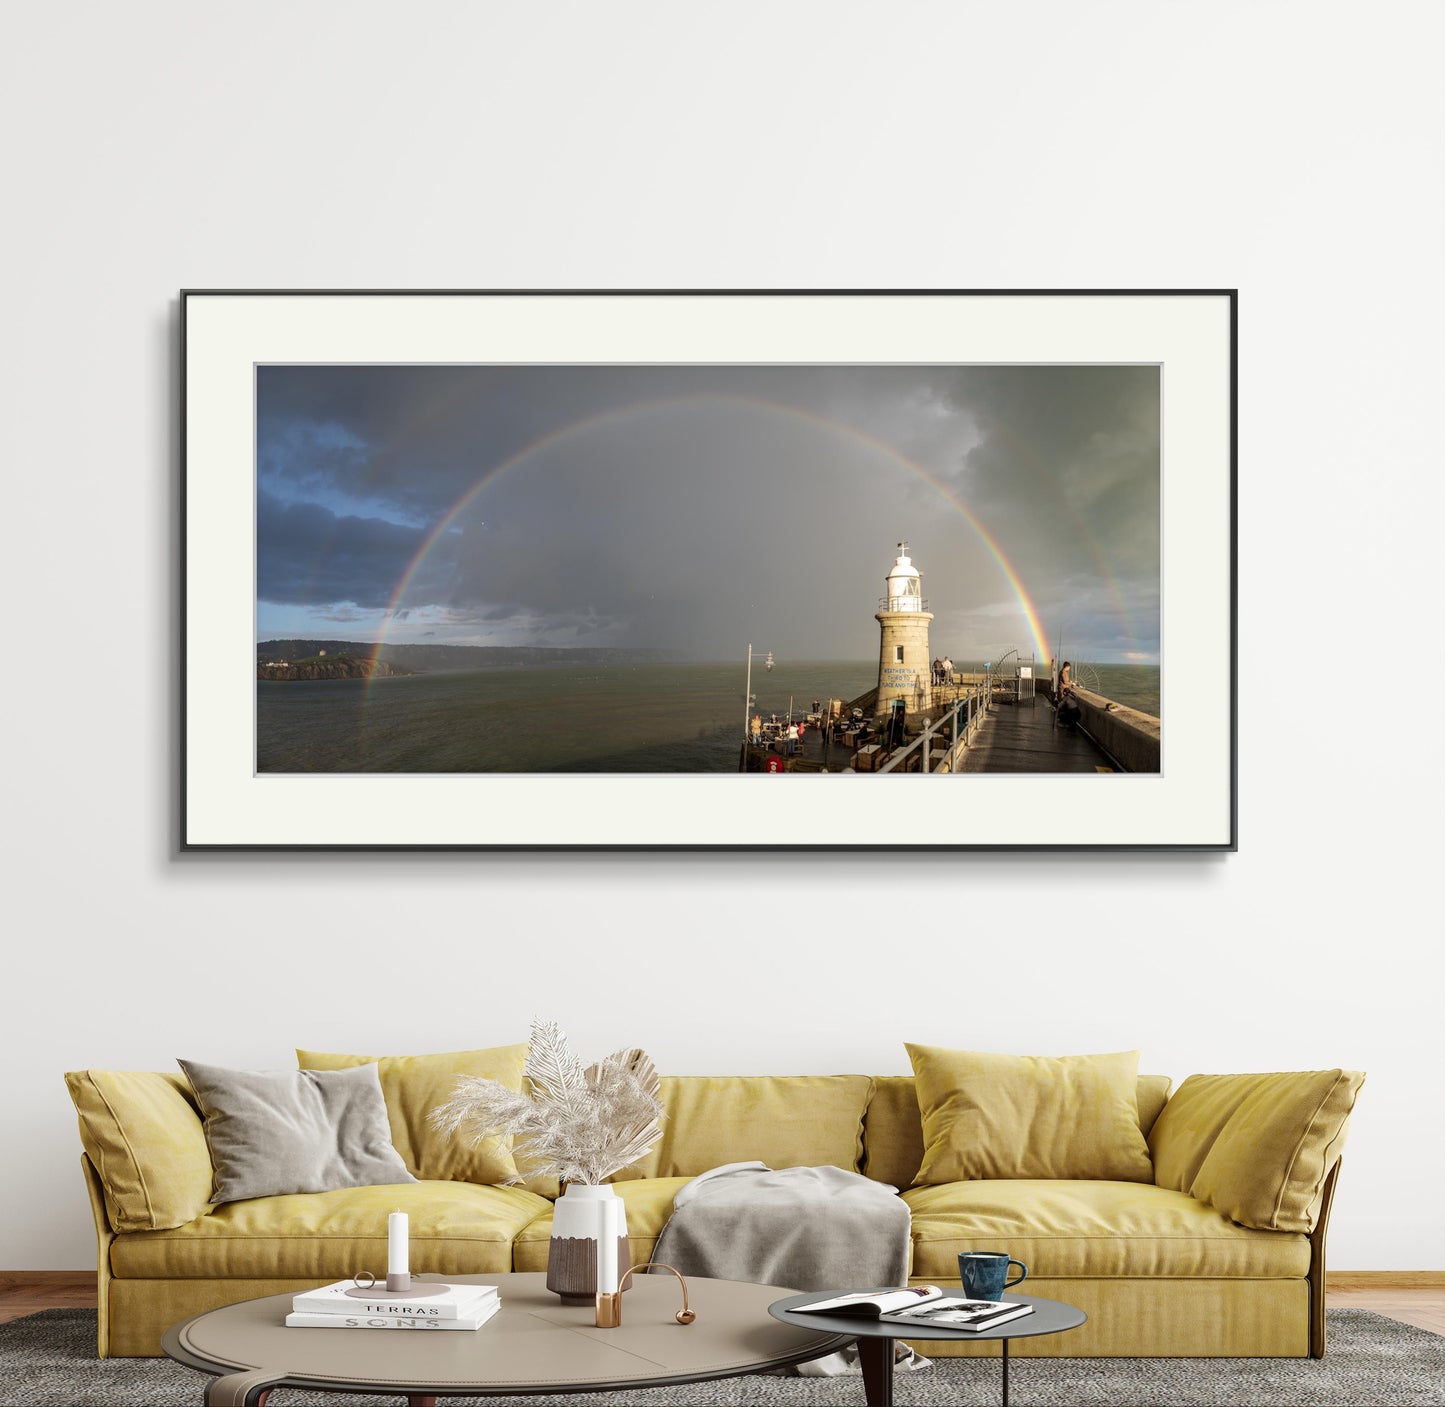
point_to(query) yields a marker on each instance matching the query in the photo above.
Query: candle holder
(609, 1307)
(374, 1291)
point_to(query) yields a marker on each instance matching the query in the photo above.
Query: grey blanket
(806, 1228)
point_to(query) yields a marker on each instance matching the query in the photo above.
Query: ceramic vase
(572, 1253)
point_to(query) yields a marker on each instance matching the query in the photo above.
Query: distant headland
(353, 659)
(326, 665)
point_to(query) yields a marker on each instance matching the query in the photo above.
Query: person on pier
(1067, 711)
(896, 723)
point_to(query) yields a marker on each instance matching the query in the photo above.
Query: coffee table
(532, 1345)
(876, 1338)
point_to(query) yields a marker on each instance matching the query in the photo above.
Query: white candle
(396, 1244)
(608, 1232)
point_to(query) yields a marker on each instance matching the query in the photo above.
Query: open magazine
(874, 1304)
(920, 1306)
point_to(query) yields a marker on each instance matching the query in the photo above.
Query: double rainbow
(581, 427)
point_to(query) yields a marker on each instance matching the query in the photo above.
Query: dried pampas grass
(577, 1125)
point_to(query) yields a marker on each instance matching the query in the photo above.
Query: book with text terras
(455, 1302)
(362, 1320)
(874, 1304)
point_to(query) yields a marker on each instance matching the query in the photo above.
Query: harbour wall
(1130, 737)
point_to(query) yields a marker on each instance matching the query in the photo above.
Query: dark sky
(701, 508)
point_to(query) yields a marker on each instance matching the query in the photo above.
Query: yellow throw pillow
(1256, 1147)
(785, 1121)
(145, 1138)
(414, 1085)
(1012, 1116)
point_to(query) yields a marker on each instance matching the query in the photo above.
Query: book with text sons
(362, 1320)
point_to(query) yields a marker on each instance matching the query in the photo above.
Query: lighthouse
(905, 670)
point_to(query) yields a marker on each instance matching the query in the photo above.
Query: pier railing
(957, 728)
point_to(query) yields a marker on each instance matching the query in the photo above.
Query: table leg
(1005, 1373)
(875, 1356)
(245, 1389)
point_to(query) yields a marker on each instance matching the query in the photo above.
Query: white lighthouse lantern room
(905, 583)
(904, 668)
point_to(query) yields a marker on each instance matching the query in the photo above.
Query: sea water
(617, 718)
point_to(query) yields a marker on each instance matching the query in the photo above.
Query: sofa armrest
(1256, 1147)
(1317, 1264)
(104, 1237)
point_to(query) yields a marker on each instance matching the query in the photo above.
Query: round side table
(876, 1336)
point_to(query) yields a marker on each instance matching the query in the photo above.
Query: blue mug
(984, 1274)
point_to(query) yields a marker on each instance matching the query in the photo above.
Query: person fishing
(1068, 710)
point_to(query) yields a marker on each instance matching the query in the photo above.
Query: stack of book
(331, 1307)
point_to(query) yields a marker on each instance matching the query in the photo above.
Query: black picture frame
(225, 333)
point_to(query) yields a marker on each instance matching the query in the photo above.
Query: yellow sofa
(1158, 1270)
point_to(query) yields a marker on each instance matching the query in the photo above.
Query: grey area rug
(48, 1360)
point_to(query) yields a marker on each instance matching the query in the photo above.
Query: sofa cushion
(143, 1134)
(1084, 1229)
(456, 1228)
(1023, 1116)
(648, 1202)
(781, 1120)
(1256, 1147)
(893, 1128)
(414, 1085)
(280, 1131)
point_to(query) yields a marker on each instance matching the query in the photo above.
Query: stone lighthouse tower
(905, 670)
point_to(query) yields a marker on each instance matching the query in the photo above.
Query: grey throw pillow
(276, 1131)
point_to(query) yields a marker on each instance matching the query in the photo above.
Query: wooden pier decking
(1014, 738)
(1024, 737)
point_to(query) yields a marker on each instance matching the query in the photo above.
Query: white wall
(1291, 150)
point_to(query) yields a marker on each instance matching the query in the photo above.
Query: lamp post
(748, 693)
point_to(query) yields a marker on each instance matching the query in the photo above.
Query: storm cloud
(702, 508)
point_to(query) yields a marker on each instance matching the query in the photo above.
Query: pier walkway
(1010, 737)
(1024, 738)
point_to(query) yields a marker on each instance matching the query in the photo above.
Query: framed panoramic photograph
(681, 570)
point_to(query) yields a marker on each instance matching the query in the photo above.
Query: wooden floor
(1402, 1298)
(1023, 737)
(1420, 1305)
(28, 1292)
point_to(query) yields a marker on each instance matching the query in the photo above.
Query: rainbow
(581, 427)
